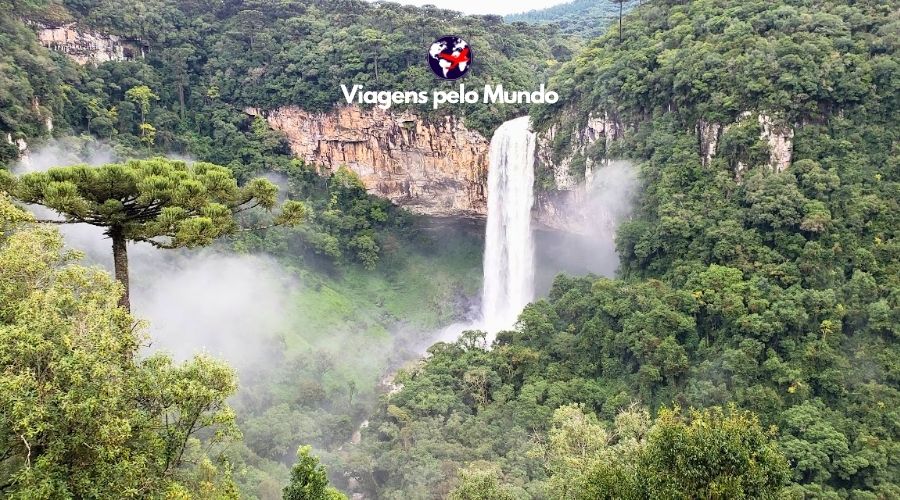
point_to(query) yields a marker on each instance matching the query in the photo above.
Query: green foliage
(81, 416)
(770, 291)
(585, 18)
(211, 60)
(710, 454)
(141, 96)
(773, 291)
(151, 199)
(30, 83)
(480, 482)
(717, 59)
(345, 224)
(308, 480)
(717, 454)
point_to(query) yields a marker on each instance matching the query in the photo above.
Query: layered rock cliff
(569, 155)
(85, 46)
(779, 138)
(435, 167)
(439, 167)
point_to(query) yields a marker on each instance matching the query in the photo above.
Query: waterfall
(509, 244)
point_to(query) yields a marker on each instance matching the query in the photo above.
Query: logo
(450, 57)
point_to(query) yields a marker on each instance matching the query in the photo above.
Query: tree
(309, 481)
(80, 416)
(373, 39)
(141, 97)
(621, 4)
(480, 481)
(712, 453)
(165, 203)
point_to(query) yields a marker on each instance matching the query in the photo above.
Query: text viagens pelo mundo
(492, 94)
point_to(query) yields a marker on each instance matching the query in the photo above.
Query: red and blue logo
(450, 57)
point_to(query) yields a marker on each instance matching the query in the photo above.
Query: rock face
(19, 143)
(781, 142)
(708, 134)
(434, 167)
(778, 136)
(85, 46)
(437, 167)
(576, 164)
(571, 168)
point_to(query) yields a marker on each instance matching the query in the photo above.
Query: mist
(593, 214)
(236, 306)
(196, 301)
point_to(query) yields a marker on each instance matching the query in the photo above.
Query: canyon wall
(568, 156)
(434, 167)
(85, 46)
(438, 166)
(778, 136)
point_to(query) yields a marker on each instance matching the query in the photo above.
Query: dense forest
(748, 347)
(204, 61)
(584, 18)
(350, 248)
(774, 291)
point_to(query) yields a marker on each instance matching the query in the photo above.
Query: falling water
(509, 245)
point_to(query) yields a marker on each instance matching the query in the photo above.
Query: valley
(678, 280)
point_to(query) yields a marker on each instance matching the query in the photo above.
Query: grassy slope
(362, 310)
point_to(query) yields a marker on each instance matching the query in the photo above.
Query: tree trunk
(376, 60)
(120, 262)
(181, 96)
(620, 20)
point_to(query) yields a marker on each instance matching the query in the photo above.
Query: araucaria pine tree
(165, 203)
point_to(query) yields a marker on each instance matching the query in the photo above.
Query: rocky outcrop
(86, 46)
(19, 143)
(571, 155)
(434, 167)
(21, 146)
(708, 134)
(780, 139)
(778, 136)
(577, 159)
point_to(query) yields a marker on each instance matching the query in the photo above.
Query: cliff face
(780, 139)
(434, 167)
(574, 161)
(567, 154)
(778, 136)
(85, 46)
(437, 167)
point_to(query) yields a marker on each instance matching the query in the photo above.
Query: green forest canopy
(775, 292)
(778, 292)
(585, 18)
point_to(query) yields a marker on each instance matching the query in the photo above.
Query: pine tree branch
(238, 209)
(47, 221)
(157, 244)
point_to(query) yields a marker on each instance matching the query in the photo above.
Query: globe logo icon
(450, 57)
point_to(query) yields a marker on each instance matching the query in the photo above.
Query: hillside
(214, 59)
(584, 18)
(760, 271)
(746, 346)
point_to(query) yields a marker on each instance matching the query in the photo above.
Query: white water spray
(509, 243)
